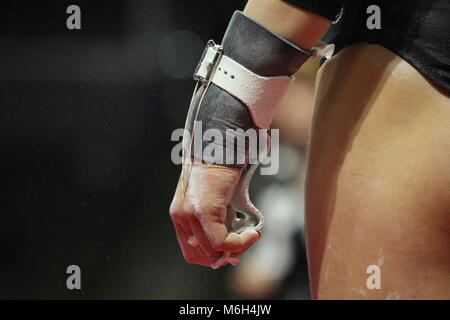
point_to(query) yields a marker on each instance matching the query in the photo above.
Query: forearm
(299, 26)
(241, 83)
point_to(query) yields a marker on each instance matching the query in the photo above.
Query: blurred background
(86, 117)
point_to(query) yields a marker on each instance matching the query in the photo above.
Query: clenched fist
(199, 214)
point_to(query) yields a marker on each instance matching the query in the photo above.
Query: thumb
(240, 242)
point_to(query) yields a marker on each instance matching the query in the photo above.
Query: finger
(203, 241)
(190, 253)
(211, 219)
(193, 242)
(245, 249)
(208, 193)
(227, 257)
(238, 243)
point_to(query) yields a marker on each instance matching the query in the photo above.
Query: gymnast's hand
(199, 215)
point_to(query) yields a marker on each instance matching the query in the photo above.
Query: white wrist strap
(260, 94)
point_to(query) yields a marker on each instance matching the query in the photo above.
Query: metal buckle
(212, 64)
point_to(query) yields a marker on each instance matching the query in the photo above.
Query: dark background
(86, 117)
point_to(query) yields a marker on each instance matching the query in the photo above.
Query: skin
(378, 175)
(199, 218)
(378, 180)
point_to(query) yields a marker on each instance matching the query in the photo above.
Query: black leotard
(416, 30)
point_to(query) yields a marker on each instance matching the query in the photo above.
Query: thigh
(378, 180)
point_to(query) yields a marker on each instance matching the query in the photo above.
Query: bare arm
(199, 219)
(299, 26)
